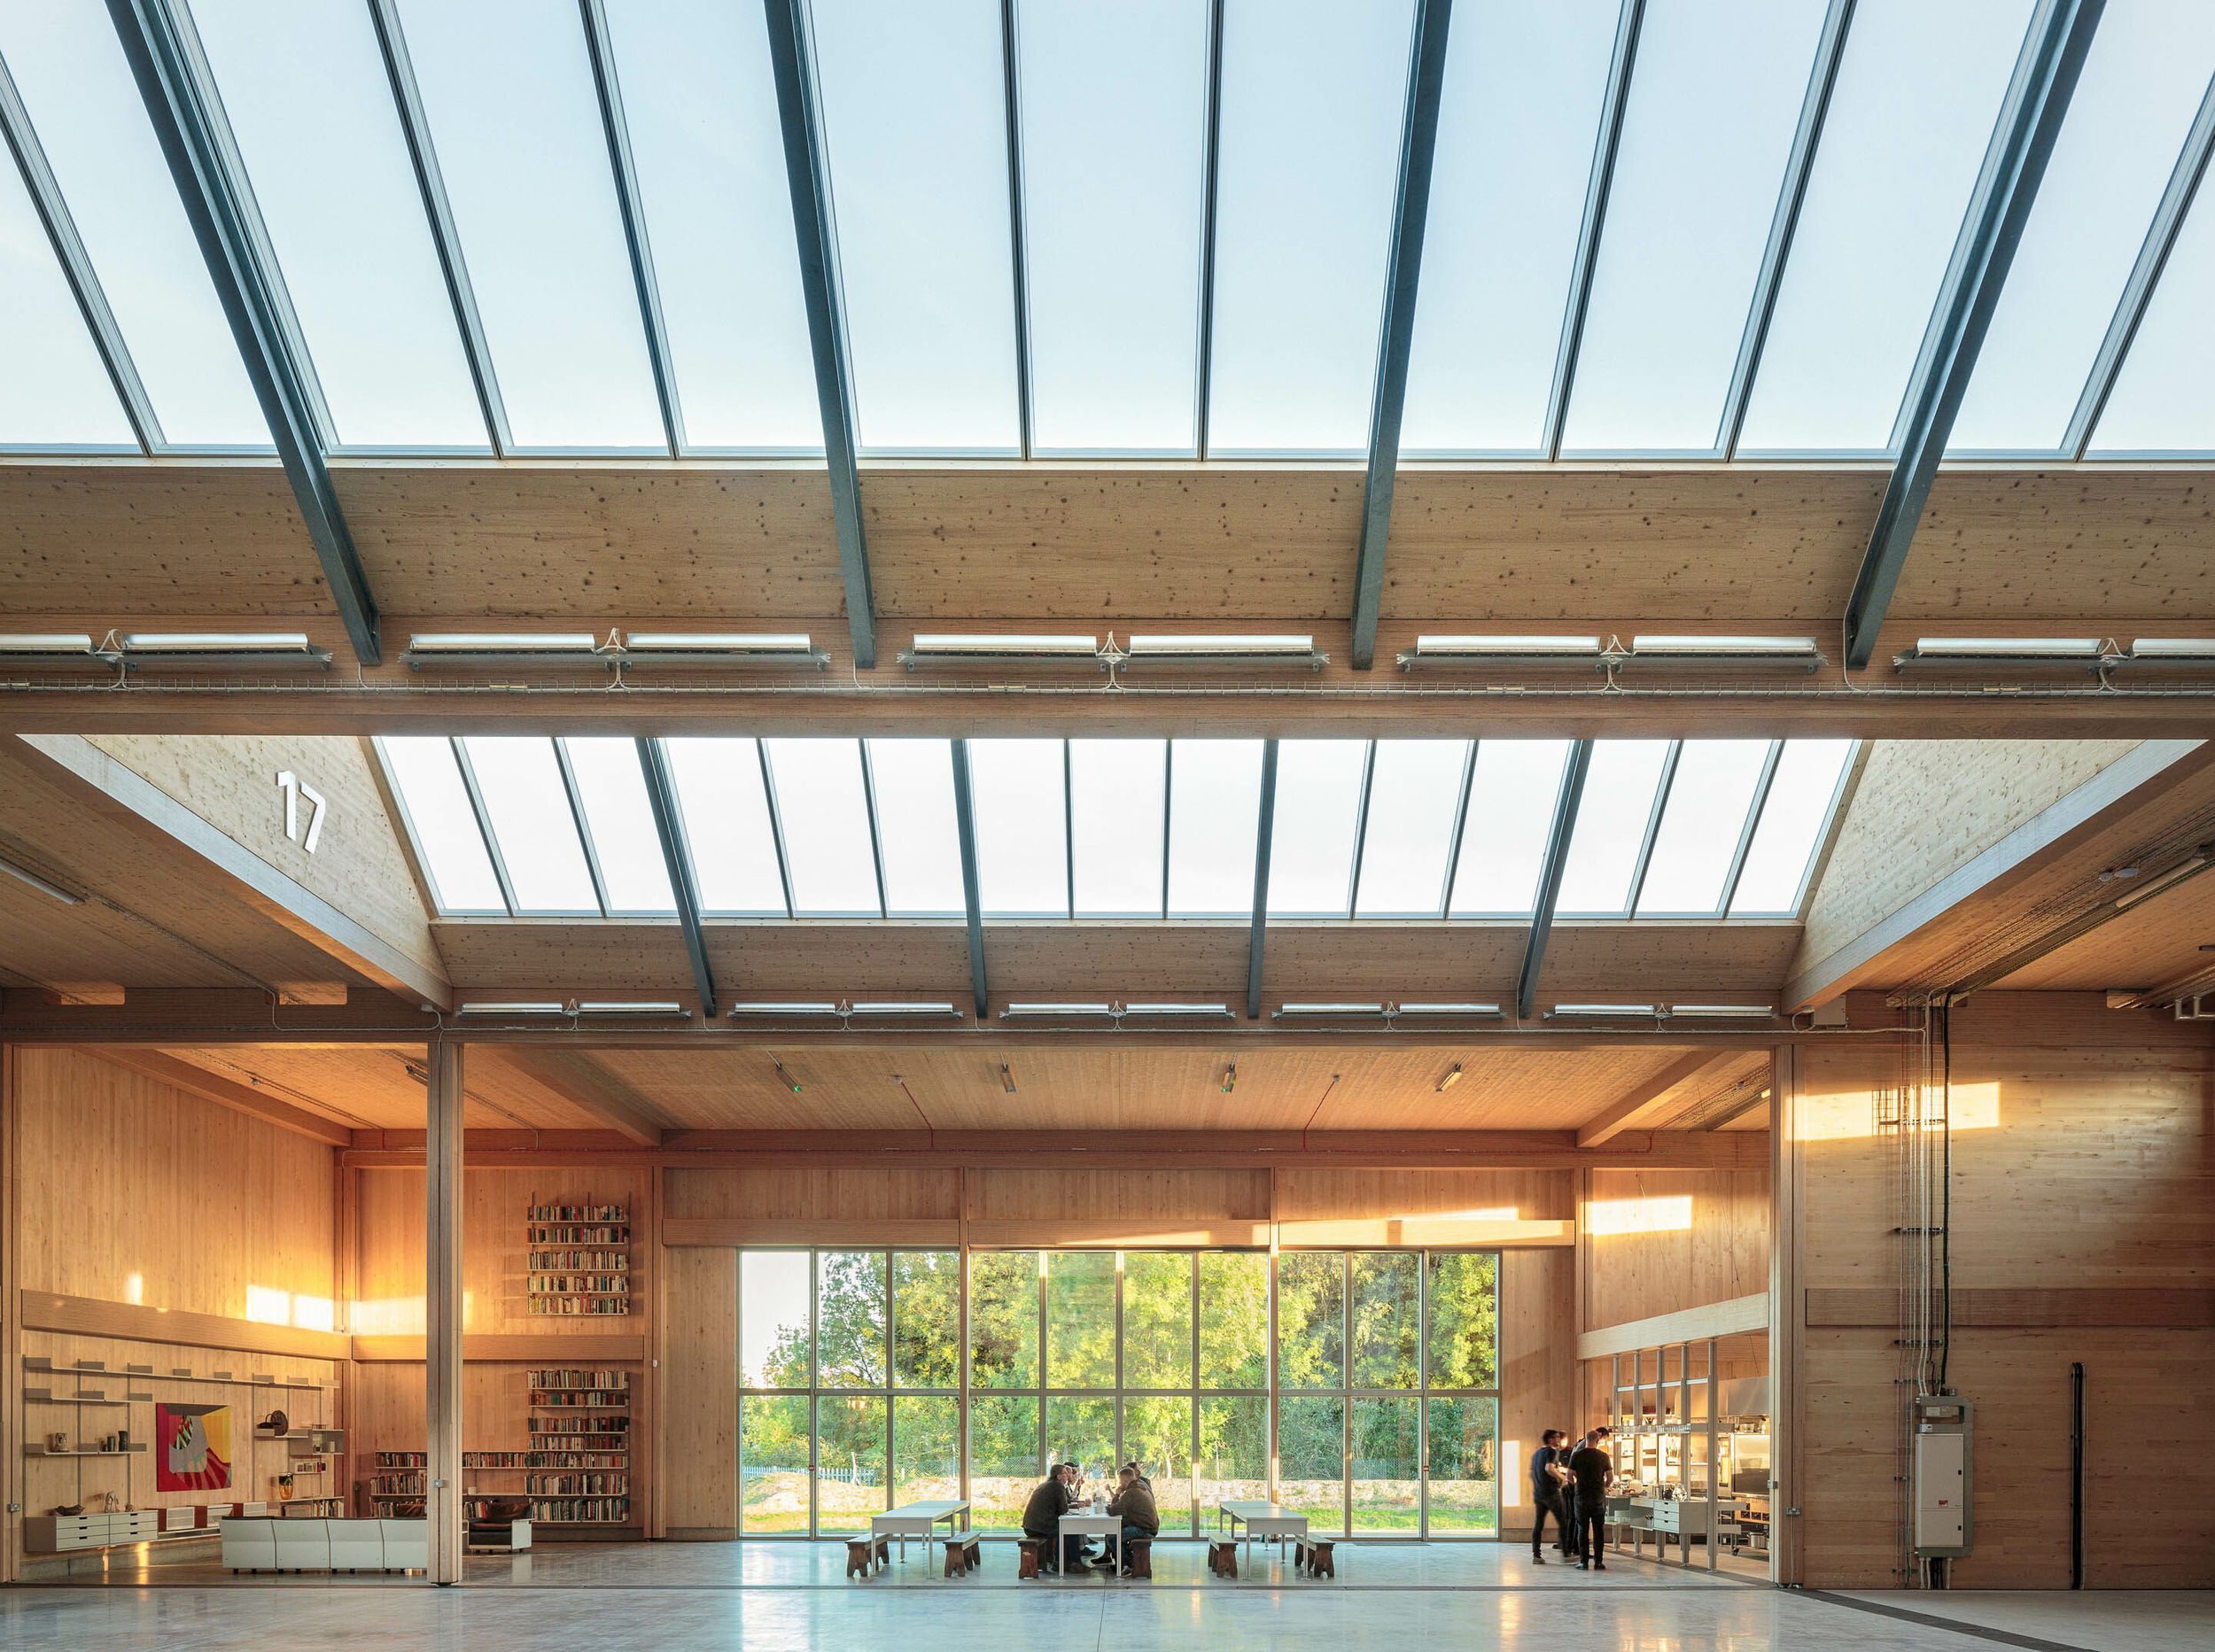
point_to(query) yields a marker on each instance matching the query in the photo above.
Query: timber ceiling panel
(378, 1087)
(1140, 1088)
(2163, 939)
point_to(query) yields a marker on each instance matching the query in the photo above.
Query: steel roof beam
(972, 901)
(2045, 76)
(1556, 858)
(662, 794)
(1262, 846)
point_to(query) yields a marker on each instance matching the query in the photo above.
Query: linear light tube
(1799, 651)
(1597, 1011)
(26, 875)
(903, 1009)
(1022, 1012)
(2171, 651)
(512, 1009)
(1298, 1011)
(2024, 651)
(783, 1012)
(957, 646)
(221, 648)
(1505, 650)
(1723, 1011)
(633, 1009)
(1464, 1011)
(1219, 648)
(1221, 1012)
(701, 647)
(503, 648)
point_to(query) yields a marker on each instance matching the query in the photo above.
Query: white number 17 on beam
(295, 788)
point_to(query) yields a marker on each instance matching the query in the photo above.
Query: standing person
(1595, 1472)
(1134, 1501)
(1546, 1475)
(1042, 1520)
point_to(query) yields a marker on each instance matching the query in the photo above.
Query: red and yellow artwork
(192, 1447)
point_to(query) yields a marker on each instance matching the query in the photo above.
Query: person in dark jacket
(1548, 1470)
(1134, 1501)
(1042, 1520)
(1595, 1472)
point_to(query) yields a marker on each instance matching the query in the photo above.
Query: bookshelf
(578, 1471)
(580, 1263)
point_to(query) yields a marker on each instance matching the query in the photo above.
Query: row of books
(546, 1460)
(580, 1261)
(611, 1422)
(571, 1234)
(576, 1511)
(578, 1379)
(577, 1485)
(579, 1213)
(580, 1307)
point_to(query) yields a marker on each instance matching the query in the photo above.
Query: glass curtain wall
(1386, 1398)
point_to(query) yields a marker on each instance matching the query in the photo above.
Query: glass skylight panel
(1116, 803)
(1706, 816)
(453, 849)
(2142, 81)
(1313, 96)
(1414, 801)
(727, 833)
(1312, 831)
(1114, 151)
(1214, 826)
(527, 807)
(914, 115)
(1715, 95)
(709, 153)
(917, 838)
(1512, 798)
(2160, 403)
(1021, 827)
(84, 105)
(507, 91)
(1517, 114)
(56, 391)
(1918, 95)
(1620, 787)
(1792, 826)
(309, 102)
(823, 812)
(613, 790)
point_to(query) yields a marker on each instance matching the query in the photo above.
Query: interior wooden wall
(1723, 1254)
(2096, 1177)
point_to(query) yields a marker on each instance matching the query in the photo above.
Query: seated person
(1042, 1519)
(1134, 1501)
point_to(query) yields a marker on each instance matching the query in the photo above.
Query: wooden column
(442, 1309)
(1788, 1316)
(11, 1317)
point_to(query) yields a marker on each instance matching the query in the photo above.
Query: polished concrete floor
(771, 1596)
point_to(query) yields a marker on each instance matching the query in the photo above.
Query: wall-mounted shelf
(47, 1397)
(282, 1385)
(33, 1448)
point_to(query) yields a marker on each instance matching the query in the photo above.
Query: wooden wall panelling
(1722, 1254)
(11, 1462)
(699, 1491)
(802, 1193)
(1313, 1195)
(1538, 1371)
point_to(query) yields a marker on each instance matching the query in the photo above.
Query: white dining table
(1261, 1519)
(920, 1520)
(1086, 1523)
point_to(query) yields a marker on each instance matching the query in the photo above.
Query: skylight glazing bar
(1262, 843)
(1564, 827)
(776, 827)
(407, 103)
(654, 763)
(584, 827)
(2052, 57)
(76, 265)
(1018, 243)
(876, 833)
(807, 171)
(600, 50)
(1461, 825)
(1419, 144)
(1360, 826)
(1604, 152)
(2153, 257)
(180, 99)
(483, 823)
(1169, 800)
(965, 827)
(1206, 343)
(1653, 826)
(1745, 833)
(1821, 83)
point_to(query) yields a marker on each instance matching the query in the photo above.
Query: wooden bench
(1312, 1555)
(1223, 1556)
(1027, 1558)
(863, 1554)
(1139, 1562)
(964, 1554)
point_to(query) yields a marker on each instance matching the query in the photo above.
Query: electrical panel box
(1943, 1485)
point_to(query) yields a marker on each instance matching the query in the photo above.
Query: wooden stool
(1312, 1555)
(860, 1552)
(1223, 1556)
(963, 1554)
(1027, 1558)
(1139, 1562)
(884, 1551)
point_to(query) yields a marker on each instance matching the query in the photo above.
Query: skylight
(56, 392)
(1117, 829)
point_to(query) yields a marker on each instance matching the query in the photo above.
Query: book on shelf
(582, 1511)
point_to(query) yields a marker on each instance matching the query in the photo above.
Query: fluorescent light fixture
(521, 648)
(665, 1008)
(1057, 1011)
(1215, 1012)
(1324, 1012)
(1452, 1078)
(909, 1010)
(1284, 650)
(485, 1007)
(784, 1012)
(1456, 1011)
(1597, 1011)
(702, 648)
(2170, 651)
(942, 647)
(1505, 650)
(2161, 881)
(273, 647)
(25, 874)
(2027, 651)
(1799, 652)
(1721, 1012)
(53, 649)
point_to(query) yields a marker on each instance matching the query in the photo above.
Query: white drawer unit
(57, 1534)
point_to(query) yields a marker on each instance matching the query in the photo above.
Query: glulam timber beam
(195, 1080)
(576, 1079)
(1649, 1100)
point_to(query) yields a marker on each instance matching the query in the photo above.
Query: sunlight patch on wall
(1669, 1214)
(1853, 1114)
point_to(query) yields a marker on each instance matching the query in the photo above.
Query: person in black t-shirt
(1547, 1472)
(1595, 1472)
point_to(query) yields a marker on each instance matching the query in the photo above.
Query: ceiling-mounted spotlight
(1793, 653)
(260, 650)
(1501, 651)
(1230, 1078)
(789, 1082)
(955, 648)
(1452, 1078)
(1007, 1079)
(25, 874)
(1196, 650)
(2030, 653)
